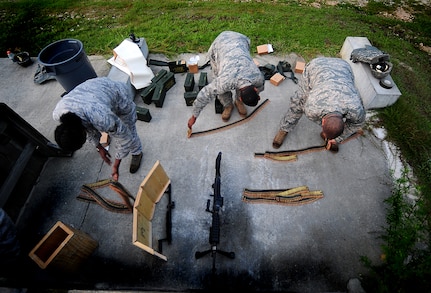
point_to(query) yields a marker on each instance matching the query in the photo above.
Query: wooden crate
(152, 188)
(63, 247)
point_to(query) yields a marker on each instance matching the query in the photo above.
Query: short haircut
(333, 126)
(249, 95)
(70, 135)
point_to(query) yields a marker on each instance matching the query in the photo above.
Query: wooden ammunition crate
(63, 247)
(189, 83)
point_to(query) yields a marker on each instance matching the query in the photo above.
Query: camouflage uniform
(104, 106)
(233, 67)
(327, 85)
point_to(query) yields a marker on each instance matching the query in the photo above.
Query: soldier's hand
(331, 145)
(115, 174)
(104, 154)
(191, 121)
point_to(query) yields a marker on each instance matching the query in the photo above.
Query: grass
(172, 27)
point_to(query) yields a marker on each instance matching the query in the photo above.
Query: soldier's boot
(278, 139)
(242, 110)
(227, 112)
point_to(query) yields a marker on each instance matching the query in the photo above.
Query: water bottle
(11, 55)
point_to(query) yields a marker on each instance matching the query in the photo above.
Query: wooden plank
(149, 194)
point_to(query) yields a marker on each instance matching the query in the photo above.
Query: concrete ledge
(372, 93)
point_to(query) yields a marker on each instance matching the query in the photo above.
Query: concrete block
(372, 93)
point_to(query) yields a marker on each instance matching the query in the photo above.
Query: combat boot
(242, 110)
(227, 112)
(279, 138)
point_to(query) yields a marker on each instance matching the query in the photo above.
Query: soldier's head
(70, 135)
(249, 95)
(332, 125)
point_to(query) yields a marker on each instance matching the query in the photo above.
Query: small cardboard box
(104, 139)
(143, 114)
(299, 67)
(264, 49)
(276, 79)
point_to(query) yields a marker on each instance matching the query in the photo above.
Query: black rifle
(214, 237)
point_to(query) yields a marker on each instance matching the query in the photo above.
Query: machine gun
(214, 236)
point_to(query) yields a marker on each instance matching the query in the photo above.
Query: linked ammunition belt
(289, 156)
(291, 197)
(228, 126)
(89, 194)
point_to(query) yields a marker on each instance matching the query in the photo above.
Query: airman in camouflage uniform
(104, 105)
(234, 70)
(327, 89)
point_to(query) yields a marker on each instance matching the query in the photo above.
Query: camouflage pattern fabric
(107, 106)
(369, 54)
(233, 68)
(327, 86)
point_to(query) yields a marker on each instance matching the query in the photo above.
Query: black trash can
(67, 61)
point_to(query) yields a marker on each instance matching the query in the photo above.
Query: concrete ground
(311, 247)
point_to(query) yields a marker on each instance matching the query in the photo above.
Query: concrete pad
(305, 248)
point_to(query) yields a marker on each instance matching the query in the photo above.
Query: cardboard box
(63, 248)
(264, 49)
(143, 114)
(299, 67)
(104, 139)
(193, 68)
(276, 79)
